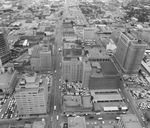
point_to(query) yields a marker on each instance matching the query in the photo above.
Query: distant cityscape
(74, 64)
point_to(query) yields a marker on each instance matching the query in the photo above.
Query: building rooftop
(38, 124)
(134, 37)
(96, 73)
(97, 53)
(72, 52)
(108, 68)
(87, 101)
(107, 126)
(95, 65)
(35, 51)
(103, 83)
(76, 122)
(31, 82)
(130, 121)
(106, 95)
(105, 29)
(87, 65)
(23, 57)
(71, 101)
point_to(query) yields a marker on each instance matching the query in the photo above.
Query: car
(54, 107)
(57, 117)
(128, 100)
(143, 118)
(19, 119)
(55, 71)
(100, 118)
(1, 110)
(11, 115)
(98, 113)
(6, 116)
(103, 122)
(5, 100)
(118, 118)
(91, 117)
(2, 116)
(16, 115)
(51, 118)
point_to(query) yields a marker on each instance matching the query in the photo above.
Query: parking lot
(8, 108)
(73, 88)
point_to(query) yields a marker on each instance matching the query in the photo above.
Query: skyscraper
(4, 49)
(129, 53)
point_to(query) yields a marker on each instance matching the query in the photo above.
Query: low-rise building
(76, 103)
(76, 122)
(104, 76)
(97, 54)
(129, 121)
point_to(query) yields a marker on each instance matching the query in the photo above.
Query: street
(55, 98)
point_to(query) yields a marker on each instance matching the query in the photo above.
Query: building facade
(86, 74)
(115, 36)
(5, 54)
(129, 53)
(8, 81)
(72, 69)
(41, 58)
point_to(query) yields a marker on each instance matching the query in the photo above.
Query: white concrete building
(31, 95)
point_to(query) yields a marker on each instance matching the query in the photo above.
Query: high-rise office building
(72, 69)
(4, 49)
(129, 53)
(31, 95)
(115, 36)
